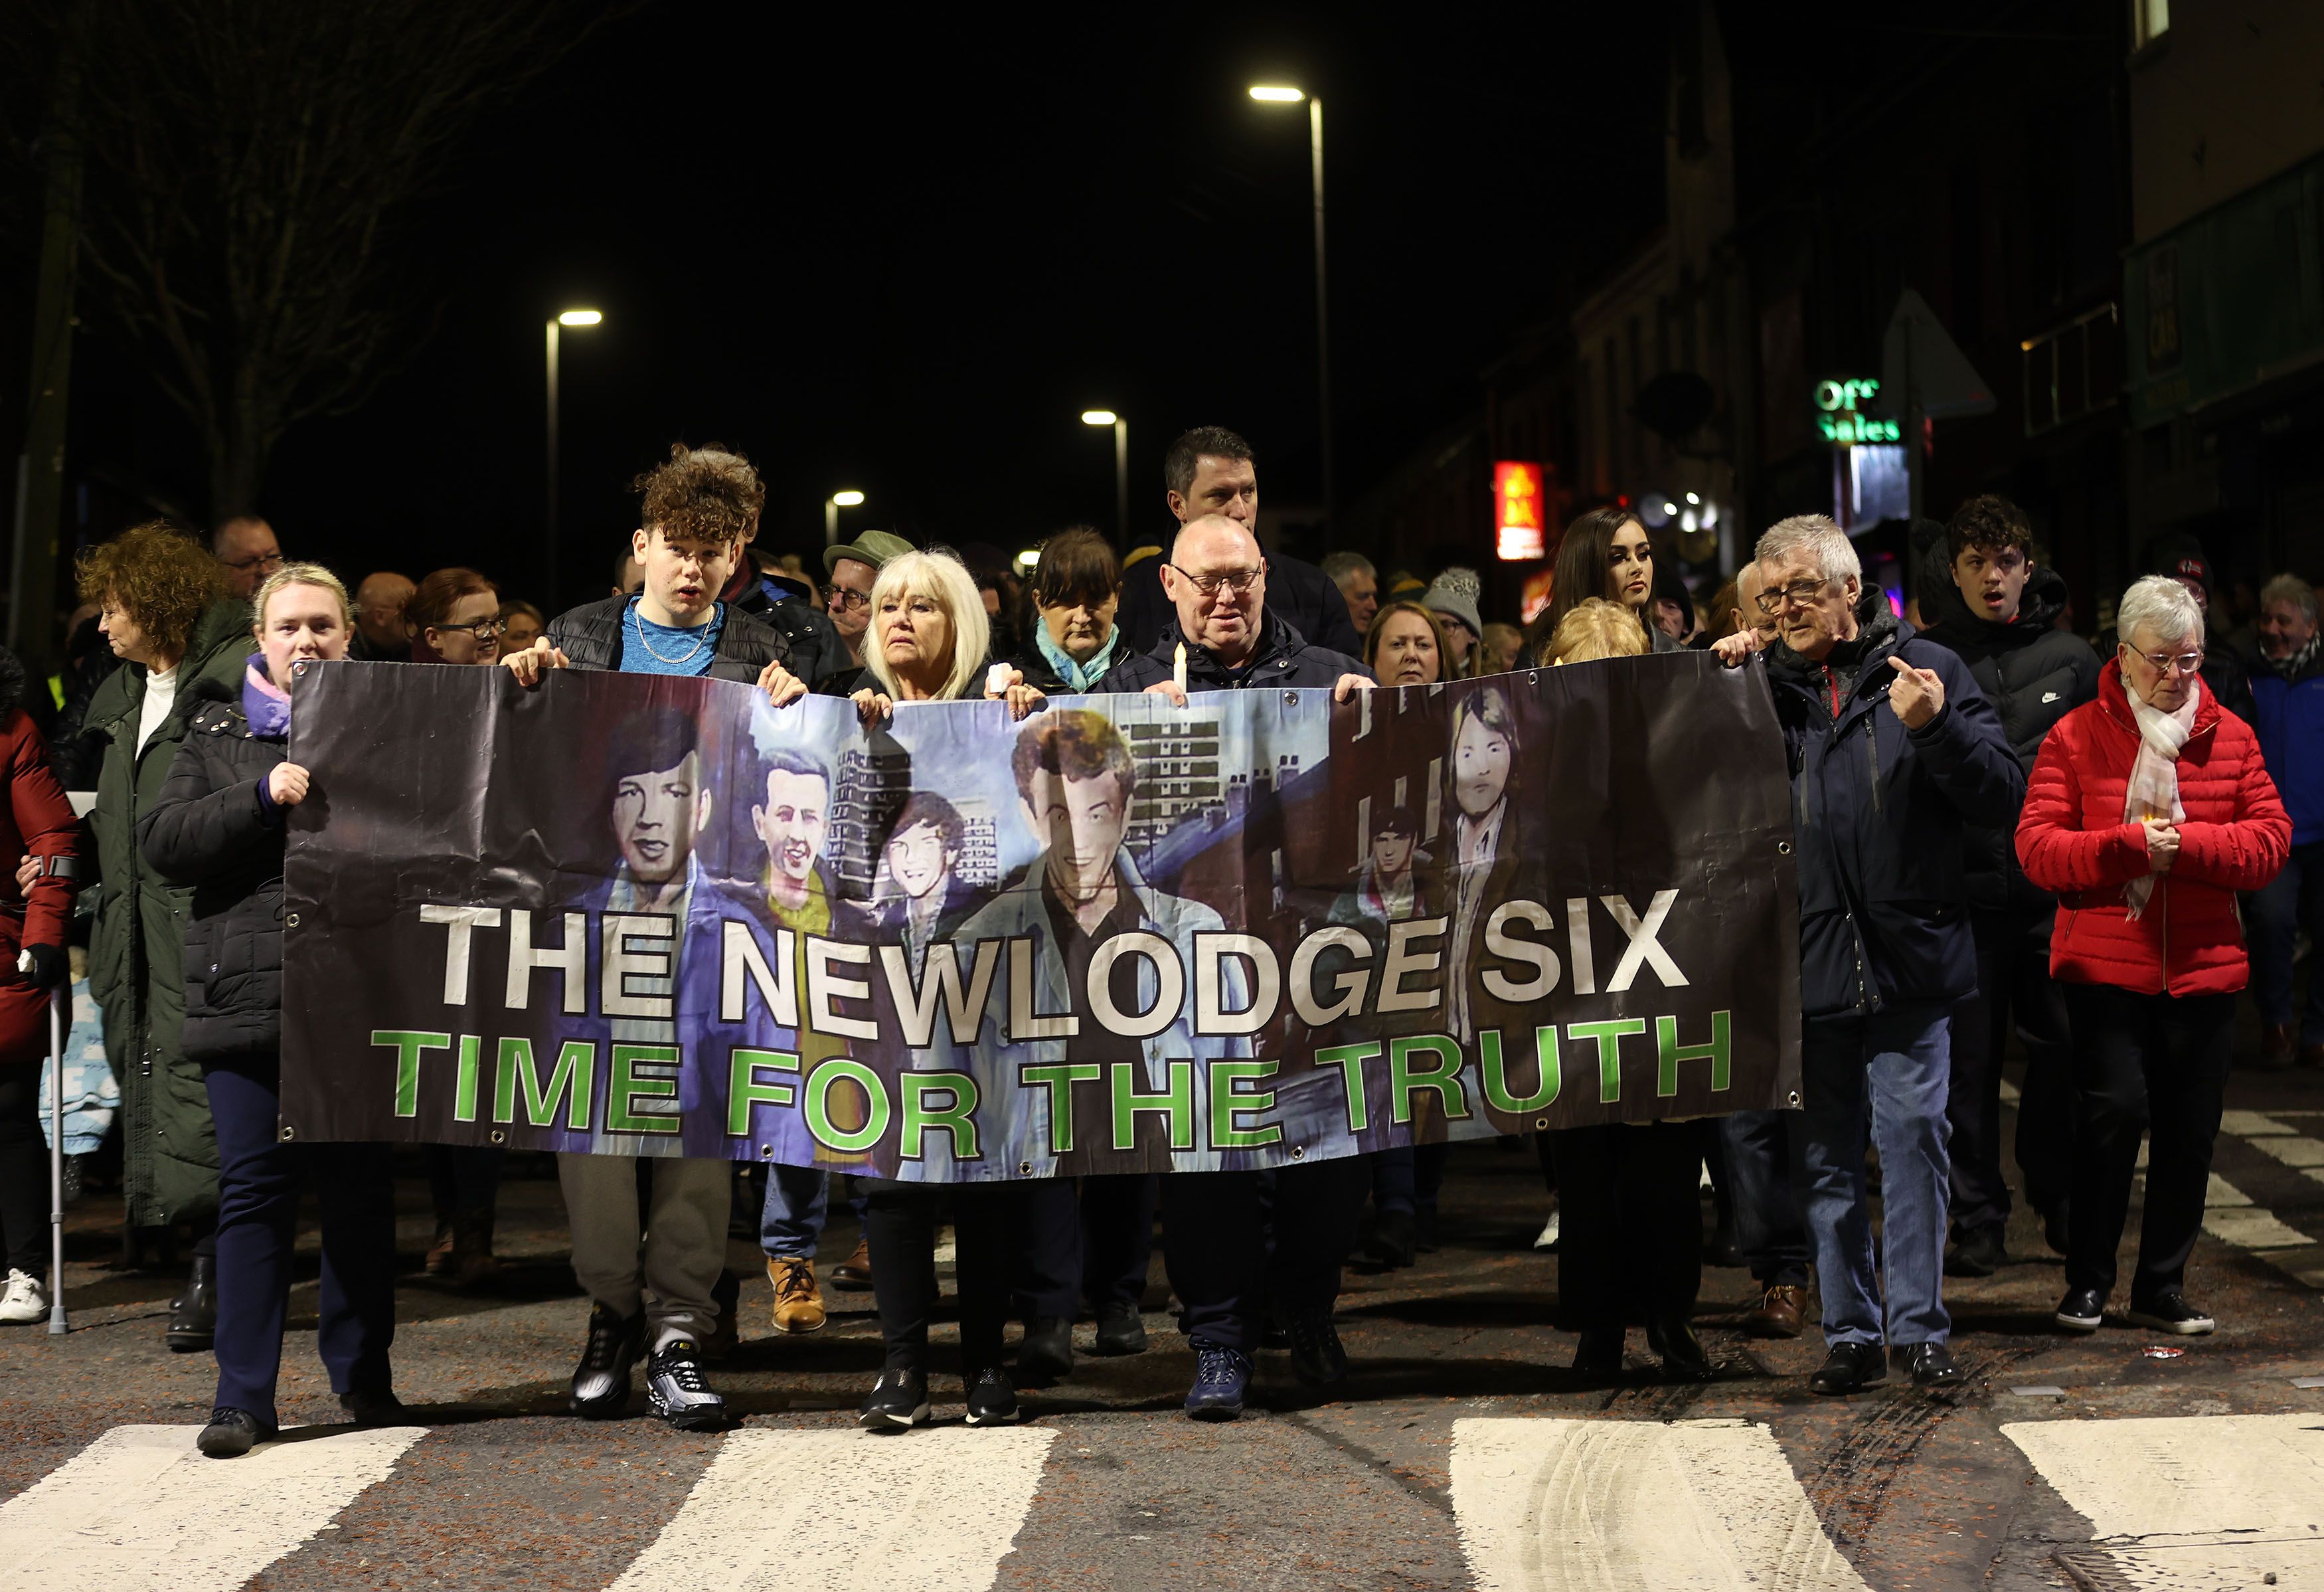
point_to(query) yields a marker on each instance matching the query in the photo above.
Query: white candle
(1178, 670)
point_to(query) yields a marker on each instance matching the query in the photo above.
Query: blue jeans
(1888, 1074)
(2292, 901)
(799, 1198)
(1762, 1161)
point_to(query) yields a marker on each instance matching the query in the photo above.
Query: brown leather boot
(855, 1273)
(1780, 1312)
(798, 1301)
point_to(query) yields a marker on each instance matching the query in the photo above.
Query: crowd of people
(1997, 832)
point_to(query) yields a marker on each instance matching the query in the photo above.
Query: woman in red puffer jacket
(2148, 810)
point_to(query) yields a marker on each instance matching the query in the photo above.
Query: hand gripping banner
(648, 916)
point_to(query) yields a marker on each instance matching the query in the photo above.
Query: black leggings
(23, 1170)
(900, 1220)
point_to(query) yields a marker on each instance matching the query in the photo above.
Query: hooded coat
(1283, 658)
(1877, 816)
(2033, 675)
(136, 950)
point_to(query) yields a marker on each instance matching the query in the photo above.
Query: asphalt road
(1462, 1453)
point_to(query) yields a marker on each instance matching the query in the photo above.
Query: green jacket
(136, 950)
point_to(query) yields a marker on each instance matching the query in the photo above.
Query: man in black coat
(1209, 470)
(1982, 596)
(1217, 580)
(1893, 752)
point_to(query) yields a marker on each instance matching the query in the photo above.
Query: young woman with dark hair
(1606, 553)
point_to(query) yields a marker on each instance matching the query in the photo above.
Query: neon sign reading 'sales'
(1841, 419)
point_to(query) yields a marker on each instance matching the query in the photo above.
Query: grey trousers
(684, 1241)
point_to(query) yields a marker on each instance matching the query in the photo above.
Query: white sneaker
(1548, 1239)
(23, 1302)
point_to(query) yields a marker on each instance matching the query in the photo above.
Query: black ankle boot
(193, 1314)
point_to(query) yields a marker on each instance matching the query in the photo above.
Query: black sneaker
(1120, 1330)
(1395, 1240)
(601, 1382)
(677, 1392)
(2170, 1312)
(372, 1407)
(1848, 1368)
(1047, 1353)
(2083, 1310)
(1929, 1365)
(231, 1433)
(899, 1401)
(1317, 1357)
(1221, 1376)
(992, 1398)
(1979, 1254)
(193, 1314)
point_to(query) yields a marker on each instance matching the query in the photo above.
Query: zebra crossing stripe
(2246, 1226)
(2188, 1501)
(935, 1510)
(1709, 1504)
(140, 1510)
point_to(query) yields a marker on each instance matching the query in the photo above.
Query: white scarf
(2152, 791)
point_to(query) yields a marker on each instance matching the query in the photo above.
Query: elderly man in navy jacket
(1893, 751)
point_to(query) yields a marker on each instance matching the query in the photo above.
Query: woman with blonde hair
(1594, 628)
(219, 829)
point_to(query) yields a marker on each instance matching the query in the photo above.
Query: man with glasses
(1893, 752)
(245, 545)
(1996, 608)
(1226, 640)
(852, 567)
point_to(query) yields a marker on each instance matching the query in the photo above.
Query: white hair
(2161, 607)
(1817, 536)
(2292, 590)
(946, 581)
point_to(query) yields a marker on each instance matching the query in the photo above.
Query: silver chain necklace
(690, 653)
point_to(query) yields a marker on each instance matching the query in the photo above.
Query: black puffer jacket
(212, 831)
(1877, 812)
(817, 651)
(1296, 591)
(2033, 675)
(1283, 658)
(591, 635)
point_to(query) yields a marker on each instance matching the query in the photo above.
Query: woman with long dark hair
(1607, 554)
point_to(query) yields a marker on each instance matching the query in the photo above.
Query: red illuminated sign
(1519, 522)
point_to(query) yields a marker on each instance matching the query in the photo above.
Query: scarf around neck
(1080, 677)
(266, 705)
(2152, 790)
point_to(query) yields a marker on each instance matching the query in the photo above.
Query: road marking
(2293, 1150)
(2221, 1192)
(2186, 1501)
(140, 1510)
(2247, 1228)
(1709, 1504)
(935, 1510)
(2250, 1124)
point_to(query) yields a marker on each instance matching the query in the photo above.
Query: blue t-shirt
(647, 648)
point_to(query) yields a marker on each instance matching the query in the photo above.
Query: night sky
(872, 251)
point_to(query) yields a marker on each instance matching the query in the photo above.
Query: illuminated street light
(846, 497)
(1286, 94)
(1106, 417)
(548, 523)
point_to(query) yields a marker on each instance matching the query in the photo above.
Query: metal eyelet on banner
(1533, 677)
(292, 921)
(766, 1152)
(1024, 1169)
(497, 1137)
(1541, 1124)
(289, 1132)
(298, 670)
(1298, 1151)
(1291, 699)
(1782, 849)
(1793, 1096)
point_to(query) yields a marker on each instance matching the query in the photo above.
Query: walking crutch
(57, 997)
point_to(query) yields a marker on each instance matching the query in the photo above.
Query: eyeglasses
(483, 630)
(846, 597)
(1802, 592)
(1238, 581)
(270, 562)
(2184, 662)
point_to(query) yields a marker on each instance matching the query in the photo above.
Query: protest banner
(644, 915)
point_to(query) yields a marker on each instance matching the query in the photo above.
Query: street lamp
(1106, 417)
(849, 498)
(1286, 94)
(557, 324)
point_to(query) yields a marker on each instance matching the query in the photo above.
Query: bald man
(379, 618)
(245, 545)
(1215, 581)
